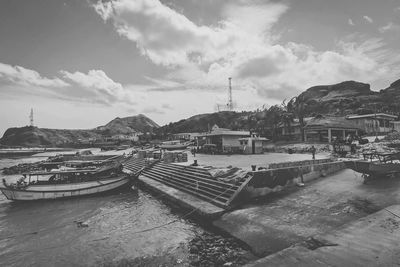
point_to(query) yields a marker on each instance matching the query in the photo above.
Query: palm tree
(297, 107)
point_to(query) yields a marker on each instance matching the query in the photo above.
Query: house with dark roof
(327, 129)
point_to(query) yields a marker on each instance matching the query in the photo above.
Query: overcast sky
(79, 63)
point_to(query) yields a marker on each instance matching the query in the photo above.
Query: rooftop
(373, 115)
(331, 122)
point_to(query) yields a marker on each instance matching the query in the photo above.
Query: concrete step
(195, 181)
(224, 192)
(188, 190)
(198, 175)
(197, 191)
(134, 164)
(193, 178)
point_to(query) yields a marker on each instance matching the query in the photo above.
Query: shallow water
(43, 233)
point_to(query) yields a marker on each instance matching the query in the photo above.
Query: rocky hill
(127, 125)
(34, 136)
(350, 97)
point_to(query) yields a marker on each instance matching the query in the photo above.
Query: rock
(193, 249)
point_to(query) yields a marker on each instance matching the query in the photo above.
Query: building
(327, 129)
(292, 132)
(185, 136)
(395, 126)
(253, 144)
(379, 123)
(126, 137)
(225, 140)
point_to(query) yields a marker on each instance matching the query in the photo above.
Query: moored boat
(174, 145)
(66, 183)
(376, 164)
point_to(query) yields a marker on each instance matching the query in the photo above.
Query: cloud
(351, 23)
(166, 106)
(389, 27)
(152, 110)
(99, 86)
(243, 46)
(368, 19)
(168, 38)
(27, 77)
(93, 87)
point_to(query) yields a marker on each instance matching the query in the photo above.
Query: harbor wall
(287, 174)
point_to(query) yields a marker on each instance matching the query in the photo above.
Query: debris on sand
(213, 250)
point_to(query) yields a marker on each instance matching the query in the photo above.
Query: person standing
(313, 152)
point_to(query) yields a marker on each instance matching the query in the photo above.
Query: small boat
(174, 145)
(66, 183)
(376, 165)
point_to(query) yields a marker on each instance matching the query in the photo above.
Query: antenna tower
(31, 117)
(230, 104)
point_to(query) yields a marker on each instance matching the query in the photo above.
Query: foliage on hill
(34, 136)
(340, 99)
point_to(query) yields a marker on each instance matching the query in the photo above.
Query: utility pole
(31, 118)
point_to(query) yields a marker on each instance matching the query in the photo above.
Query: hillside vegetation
(349, 97)
(34, 136)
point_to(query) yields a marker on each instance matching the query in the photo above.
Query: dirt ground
(245, 161)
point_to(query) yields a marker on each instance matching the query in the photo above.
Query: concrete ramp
(370, 241)
(196, 181)
(135, 165)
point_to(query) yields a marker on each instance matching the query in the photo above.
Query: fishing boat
(376, 165)
(174, 145)
(66, 183)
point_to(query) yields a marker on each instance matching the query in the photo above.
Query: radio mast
(31, 117)
(230, 103)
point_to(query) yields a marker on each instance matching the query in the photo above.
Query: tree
(298, 108)
(273, 117)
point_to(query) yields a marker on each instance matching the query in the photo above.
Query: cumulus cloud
(27, 77)
(368, 19)
(242, 46)
(351, 23)
(99, 86)
(94, 87)
(389, 27)
(169, 38)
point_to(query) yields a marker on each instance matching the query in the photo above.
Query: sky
(81, 63)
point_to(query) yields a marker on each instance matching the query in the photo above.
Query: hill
(33, 136)
(204, 122)
(127, 125)
(349, 97)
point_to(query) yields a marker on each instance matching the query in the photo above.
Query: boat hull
(40, 192)
(174, 147)
(373, 168)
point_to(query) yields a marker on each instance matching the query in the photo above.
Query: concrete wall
(267, 181)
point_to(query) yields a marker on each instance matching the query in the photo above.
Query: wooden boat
(66, 183)
(174, 145)
(376, 165)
